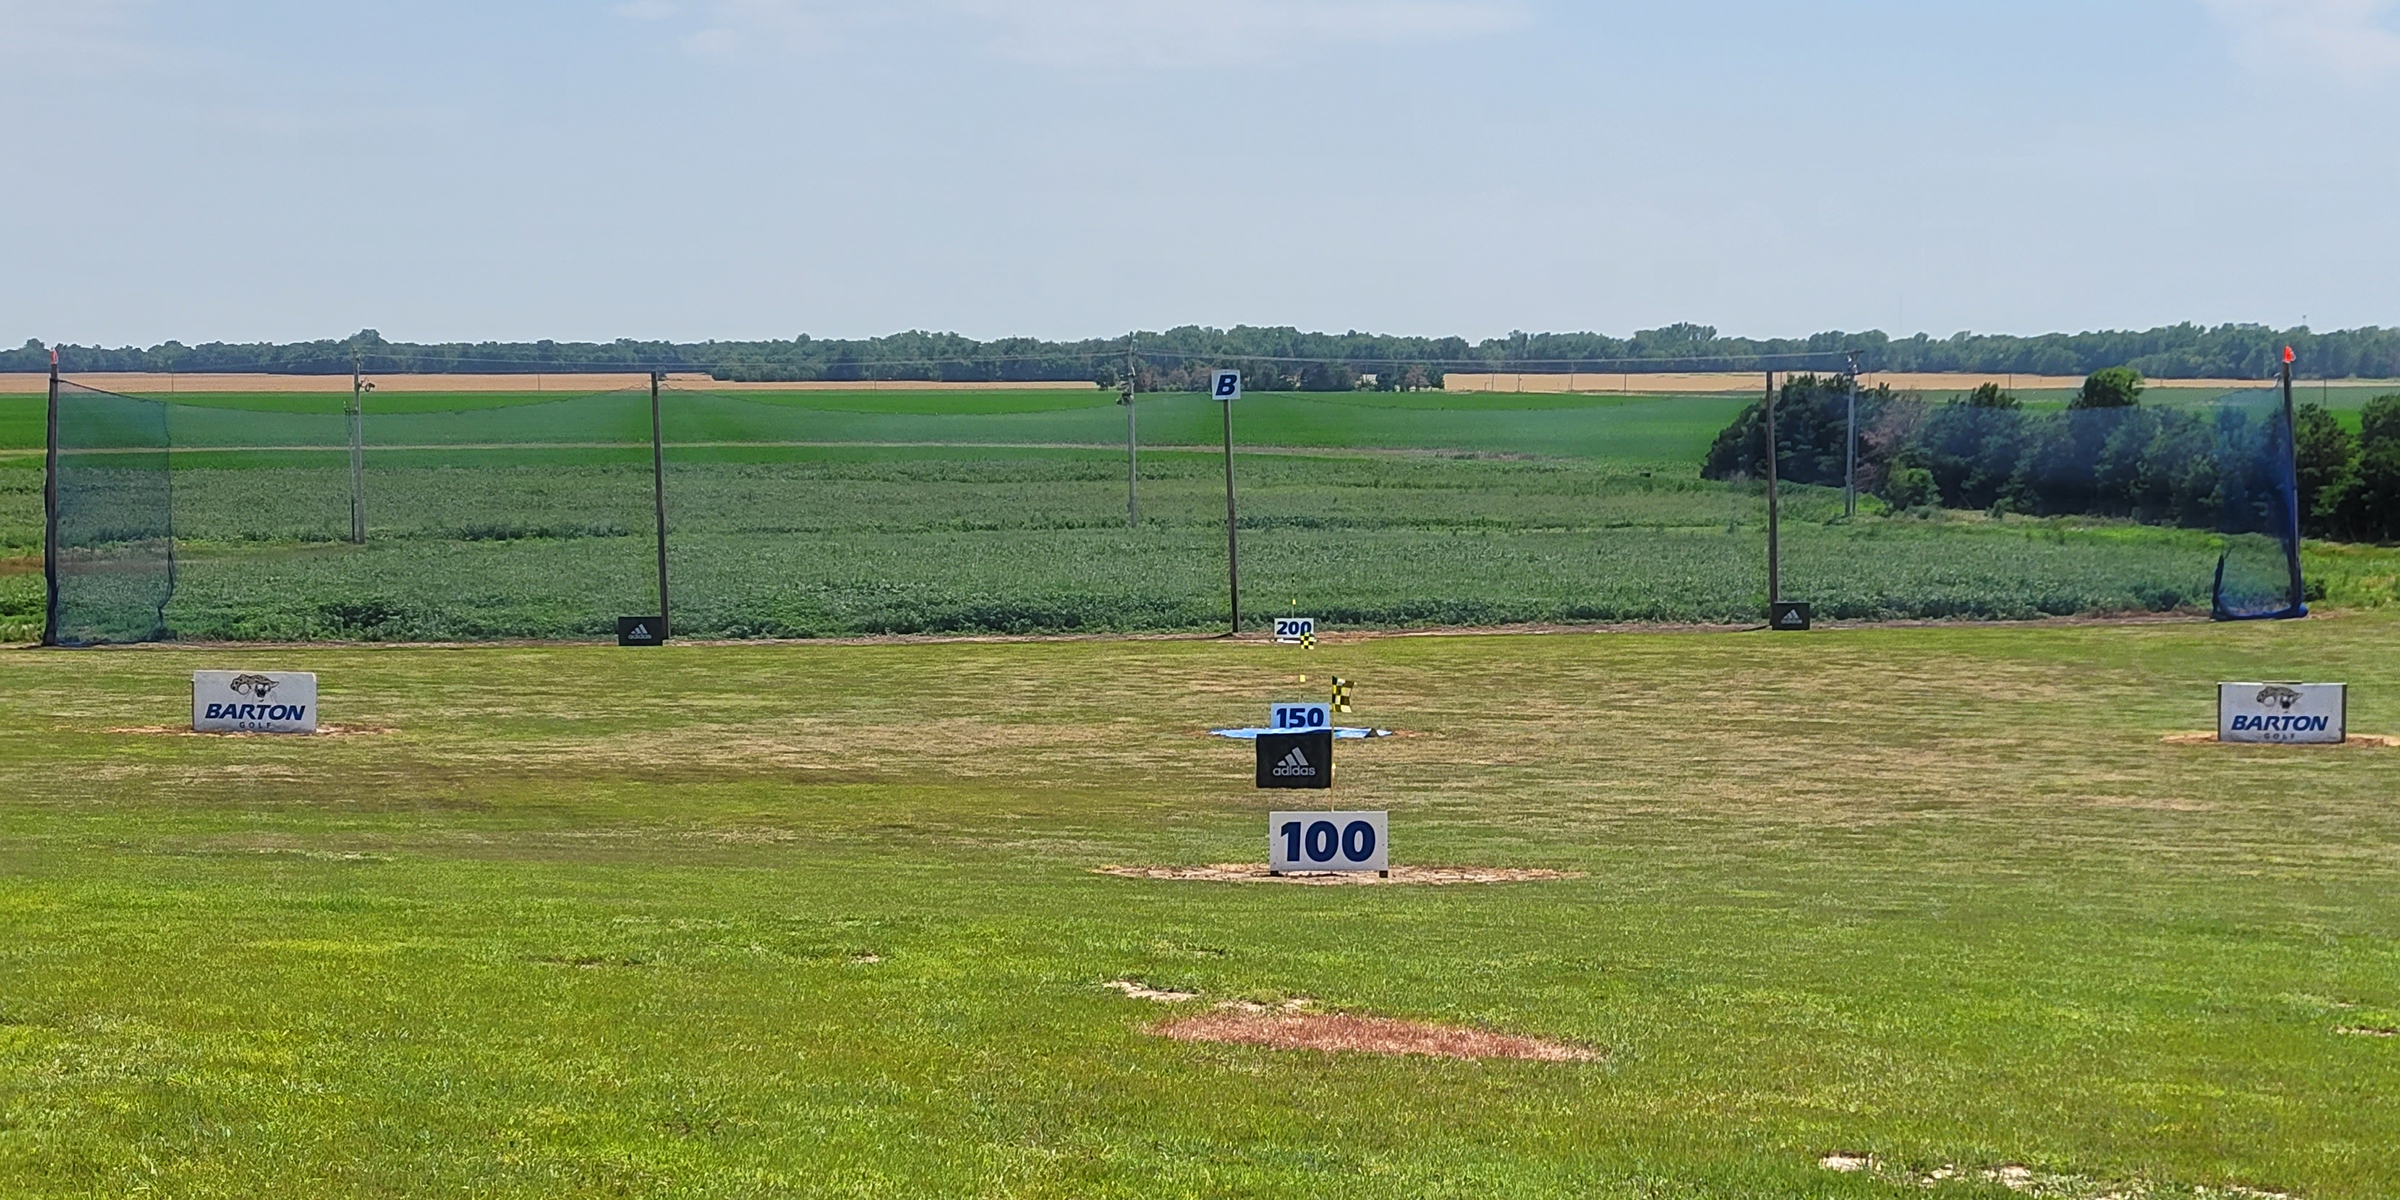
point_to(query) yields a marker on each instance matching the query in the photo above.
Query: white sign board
(1300, 717)
(1225, 385)
(1295, 629)
(2283, 712)
(1328, 841)
(254, 702)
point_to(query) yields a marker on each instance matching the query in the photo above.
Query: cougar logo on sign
(254, 702)
(2282, 712)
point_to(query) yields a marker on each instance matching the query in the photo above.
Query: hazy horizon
(736, 169)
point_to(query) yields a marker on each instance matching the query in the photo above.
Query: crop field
(1937, 904)
(826, 514)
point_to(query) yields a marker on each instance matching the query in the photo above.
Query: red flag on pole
(2287, 355)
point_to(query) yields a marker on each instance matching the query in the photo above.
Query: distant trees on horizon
(2106, 454)
(1284, 358)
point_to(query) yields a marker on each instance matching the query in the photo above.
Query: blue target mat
(1251, 735)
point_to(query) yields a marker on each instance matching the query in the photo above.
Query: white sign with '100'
(1328, 841)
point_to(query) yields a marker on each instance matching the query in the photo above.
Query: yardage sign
(1328, 841)
(1295, 629)
(1299, 718)
(1226, 385)
(254, 702)
(2282, 712)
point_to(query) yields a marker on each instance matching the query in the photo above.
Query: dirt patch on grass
(1336, 1032)
(1142, 991)
(2368, 741)
(187, 731)
(1419, 876)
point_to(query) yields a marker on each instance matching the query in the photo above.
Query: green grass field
(823, 514)
(736, 921)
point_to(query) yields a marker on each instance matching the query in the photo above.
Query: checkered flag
(1308, 641)
(1341, 694)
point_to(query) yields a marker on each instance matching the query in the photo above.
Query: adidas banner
(641, 631)
(1295, 760)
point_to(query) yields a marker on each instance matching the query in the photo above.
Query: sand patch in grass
(2369, 741)
(1143, 991)
(327, 730)
(1339, 1032)
(1418, 876)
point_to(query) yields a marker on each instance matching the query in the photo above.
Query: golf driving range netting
(819, 513)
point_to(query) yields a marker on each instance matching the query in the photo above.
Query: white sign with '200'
(1328, 841)
(1292, 629)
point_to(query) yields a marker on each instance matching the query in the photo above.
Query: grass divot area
(1403, 876)
(327, 730)
(1334, 1033)
(2022, 1180)
(2356, 741)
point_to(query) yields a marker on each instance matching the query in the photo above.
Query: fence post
(50, 515)
(358, 454)
(1233, 570)
(658, 495)
(1774, 549)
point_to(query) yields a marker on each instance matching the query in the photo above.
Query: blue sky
(746, 168)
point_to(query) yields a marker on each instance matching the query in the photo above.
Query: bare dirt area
(164, 383)
(2356, 741)
(1403, 876)
(323, 731)
(1333, 1033)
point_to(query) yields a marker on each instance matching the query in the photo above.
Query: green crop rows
(909, 513)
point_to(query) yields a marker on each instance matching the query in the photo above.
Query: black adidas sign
(1788, 615)
(641, 631)
(1296, 760)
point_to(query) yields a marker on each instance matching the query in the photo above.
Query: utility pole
(658, 493)
(1850, 447)
(50, 514)
(1233, 570)
(1774, 548)
(1133, 473)
(358, 451)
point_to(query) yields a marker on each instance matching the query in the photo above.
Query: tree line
(2230, 465)
(1277, 358)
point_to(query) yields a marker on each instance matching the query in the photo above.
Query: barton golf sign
(254, 702)
(2305, 713)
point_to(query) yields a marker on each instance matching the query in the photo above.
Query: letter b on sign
(1227, 385)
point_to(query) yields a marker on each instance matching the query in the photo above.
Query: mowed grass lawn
(774, 920)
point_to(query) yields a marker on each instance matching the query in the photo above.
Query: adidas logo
(1293, 764)
(639, 631)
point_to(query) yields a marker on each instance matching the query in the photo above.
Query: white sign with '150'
(1328, 841)
(1299, 718)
